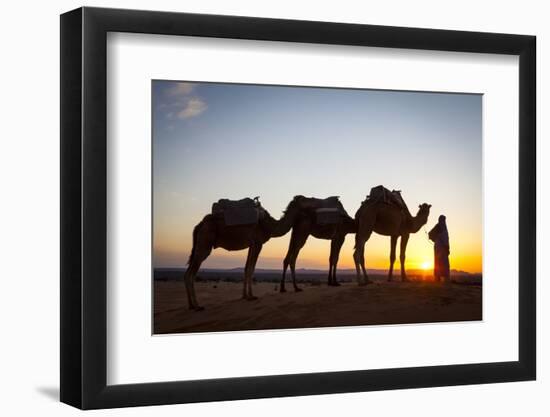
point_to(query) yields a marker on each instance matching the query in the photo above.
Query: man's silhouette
(440, 236)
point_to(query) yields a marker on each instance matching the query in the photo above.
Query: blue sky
(218, 140)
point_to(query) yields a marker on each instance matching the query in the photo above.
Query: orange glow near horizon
(315, 253)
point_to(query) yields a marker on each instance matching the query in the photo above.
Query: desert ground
(318, 305)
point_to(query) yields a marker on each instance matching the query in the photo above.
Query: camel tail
(195, 232)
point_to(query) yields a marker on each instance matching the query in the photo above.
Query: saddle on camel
(238, 212)
(381, 194)
(327, 211)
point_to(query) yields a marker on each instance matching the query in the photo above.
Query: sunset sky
(214, 140)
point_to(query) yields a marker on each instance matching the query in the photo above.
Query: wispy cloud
(180, 89)
(181, 104)
(194, 107)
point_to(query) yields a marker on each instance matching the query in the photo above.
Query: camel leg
(335, 246)
(393, 245)
(299, 243)
(258, 249)
(363, 268)
(359, 257)
(402, 251)
(330, 265)
(331, 275)
(359, 249)
(253, 254)
(329, 280)
(199, 253)
(189, 280)
(292, 248)
(283, 278)
(246, 272)
(330, 268)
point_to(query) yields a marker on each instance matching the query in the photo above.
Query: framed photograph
(259, 208)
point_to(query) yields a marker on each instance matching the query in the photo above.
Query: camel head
(423, 212)
(421, 218)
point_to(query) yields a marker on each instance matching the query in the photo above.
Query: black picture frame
(84, 207)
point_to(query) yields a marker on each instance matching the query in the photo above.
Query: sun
(426, 265)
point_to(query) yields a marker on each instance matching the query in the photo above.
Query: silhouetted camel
(387, 220)
(306, 224)
(212, 232)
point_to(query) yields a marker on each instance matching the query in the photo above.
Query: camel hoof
(336, 284)
(282, 289)
(251, 298)
(296, 289)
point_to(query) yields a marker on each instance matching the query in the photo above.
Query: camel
(305, 225)
(212, 232)
(388, 220)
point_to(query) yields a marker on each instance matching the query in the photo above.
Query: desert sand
(316, 306)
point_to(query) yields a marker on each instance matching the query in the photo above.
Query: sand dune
(316, 306)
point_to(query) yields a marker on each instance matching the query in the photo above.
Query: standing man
(440, 236)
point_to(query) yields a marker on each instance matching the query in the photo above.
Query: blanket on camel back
(381, 194)
(238, 212)
(328, 210)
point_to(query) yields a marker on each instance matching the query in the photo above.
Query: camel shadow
(50, 392)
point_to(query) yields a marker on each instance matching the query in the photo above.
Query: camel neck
(282, 226)
(417, 222)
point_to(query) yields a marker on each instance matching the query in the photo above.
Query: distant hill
(305, 271)
(303, 274)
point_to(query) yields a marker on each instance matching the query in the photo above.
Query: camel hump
(381, 194)
(377, 193)
(225, 203)
(326, 210)
(238, 212)
(322, 203)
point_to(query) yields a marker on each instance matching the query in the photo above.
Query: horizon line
(239, 268)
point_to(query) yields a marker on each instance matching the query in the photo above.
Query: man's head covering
(442, 219)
